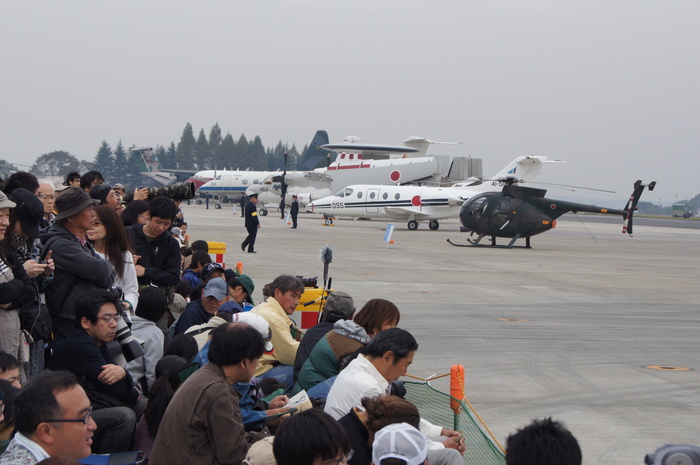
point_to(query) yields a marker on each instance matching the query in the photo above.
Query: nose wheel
(412, 225)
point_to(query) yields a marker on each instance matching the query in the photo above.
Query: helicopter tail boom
(632, 204)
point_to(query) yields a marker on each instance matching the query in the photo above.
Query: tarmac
(571, 328)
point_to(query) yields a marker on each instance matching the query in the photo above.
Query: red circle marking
(415, 201)
(553, 206)
(395, 176)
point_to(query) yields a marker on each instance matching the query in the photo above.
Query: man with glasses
(52, 419)
(47, 195)
(85, 353)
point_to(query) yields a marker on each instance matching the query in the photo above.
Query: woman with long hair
(108, 237)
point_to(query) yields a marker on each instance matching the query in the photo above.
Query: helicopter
(522, 212)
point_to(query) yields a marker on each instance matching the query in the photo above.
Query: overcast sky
(610, 86)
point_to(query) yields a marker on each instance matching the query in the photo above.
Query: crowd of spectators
(117, 335)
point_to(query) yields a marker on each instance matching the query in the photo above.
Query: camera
(177, 191)
(128, 343)
(309, 282)
(674, 454)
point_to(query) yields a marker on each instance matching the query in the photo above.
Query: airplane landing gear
(263, 212)
(412, 225)
(434, 225)
(217, 206)
(328, 221)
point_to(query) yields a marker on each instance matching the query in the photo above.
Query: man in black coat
(252, 224)
(294, 210)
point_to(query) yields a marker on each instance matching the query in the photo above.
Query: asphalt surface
(565, 329)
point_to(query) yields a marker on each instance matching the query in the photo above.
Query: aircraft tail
(315, 156)
(632, 204)
(524, 168)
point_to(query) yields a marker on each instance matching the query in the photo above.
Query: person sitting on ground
(361, 424)
(9, 369)
(201, 333)
(52, 419)
(193, 274)
(338, 306)
(202, 423)
(196, 245)
(287, 291)
(162, 391)
(399, 443)
(7, 413)
(209, 272)
(213, 296)
(241, 288)
(85, 353)
(159, 253)
(338, 346)
(311, 438)
(150, 309)
(384, 360)
(182, 345)
(543, 442)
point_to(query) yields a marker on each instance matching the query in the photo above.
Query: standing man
(294, 210)
(252, 223)
(47, 195)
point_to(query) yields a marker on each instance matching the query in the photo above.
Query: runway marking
(511, 319)
(424, 292)
(666, 368)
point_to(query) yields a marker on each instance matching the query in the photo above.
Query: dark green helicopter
(522, 212)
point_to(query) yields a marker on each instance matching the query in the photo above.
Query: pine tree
(228, 152)
(104, 162)
(168, 160)
(121, 164)
(242, 152)
(202, 154)
(185, 149)
(258, 155)
(215, 143)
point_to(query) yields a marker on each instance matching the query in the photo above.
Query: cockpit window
(347, 192)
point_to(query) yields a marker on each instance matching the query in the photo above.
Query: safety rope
(464, 392)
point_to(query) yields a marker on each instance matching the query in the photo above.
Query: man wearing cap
(106, 195)
(399, 441)
(338, 306)
(199, 311)
(294, 211)
(241, 288)
(252, 223)
(209, 272)
(78, 268)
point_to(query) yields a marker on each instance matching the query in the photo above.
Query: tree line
(118, 164)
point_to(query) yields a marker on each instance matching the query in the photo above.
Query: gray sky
(610, 86)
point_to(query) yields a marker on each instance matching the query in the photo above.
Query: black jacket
(19, 290)
(78, 270)
(160, 257)
(251, 216)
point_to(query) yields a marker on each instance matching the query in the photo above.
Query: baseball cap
(257, 322)
(178, 232)
(216, 287)
(248, 285)
(209, 268)
(29, 210)
(260, 453)
(400, 441)
(339, 304)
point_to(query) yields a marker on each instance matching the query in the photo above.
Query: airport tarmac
(566, 329)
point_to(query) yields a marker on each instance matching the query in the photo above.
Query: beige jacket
(285, 347)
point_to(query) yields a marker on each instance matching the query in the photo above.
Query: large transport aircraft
(419, 203)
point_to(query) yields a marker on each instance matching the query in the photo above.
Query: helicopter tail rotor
(631, 205)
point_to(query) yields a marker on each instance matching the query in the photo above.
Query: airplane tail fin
(525, 168)
(315, 156)
(421, 144)
(631, 205)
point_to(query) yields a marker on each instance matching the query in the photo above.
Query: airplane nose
(310, 207)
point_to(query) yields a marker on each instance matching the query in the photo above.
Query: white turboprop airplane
(390, 164)
(414, 203)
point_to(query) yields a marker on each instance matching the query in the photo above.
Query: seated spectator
(311, 438)
(52, 418)
(336, 347)
(9, 369)
(7, 410)
(543, 442)
(196, 245)
(193, 274)
(241, 288)
(209, 272)
(84, 353)
(361, 424)
(202, 423)
(399, 443)
(136, 212)
(198, 312)
(162, 391)
(182, 345)
(150, 309)
(287, 291)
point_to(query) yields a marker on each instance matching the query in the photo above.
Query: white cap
(257, 322)
(399, 441)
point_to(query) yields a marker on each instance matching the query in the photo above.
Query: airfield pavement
(598, 307)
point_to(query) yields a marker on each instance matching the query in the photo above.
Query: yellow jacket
(285, 347)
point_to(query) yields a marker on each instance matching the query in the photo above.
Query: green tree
(120, 173)
(104, 162)
(275, 157)
(202, 154)
(215, 148)
(7, 168)
(57, 163)
(228, 152)
(169, 157)
(242, 147)
(186, 148)
(258, 155)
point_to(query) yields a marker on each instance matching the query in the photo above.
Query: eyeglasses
(47, 196)
(110, 318)
(84, 419)
(343, 459)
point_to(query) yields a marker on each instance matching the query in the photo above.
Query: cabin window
(397, 196)
(385, 196)
(371, 195)
(359, 195)
(245, 181)
(255, 181)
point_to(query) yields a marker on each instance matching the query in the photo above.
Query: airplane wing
(370, 149)
(306, 179)
(423, 213)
